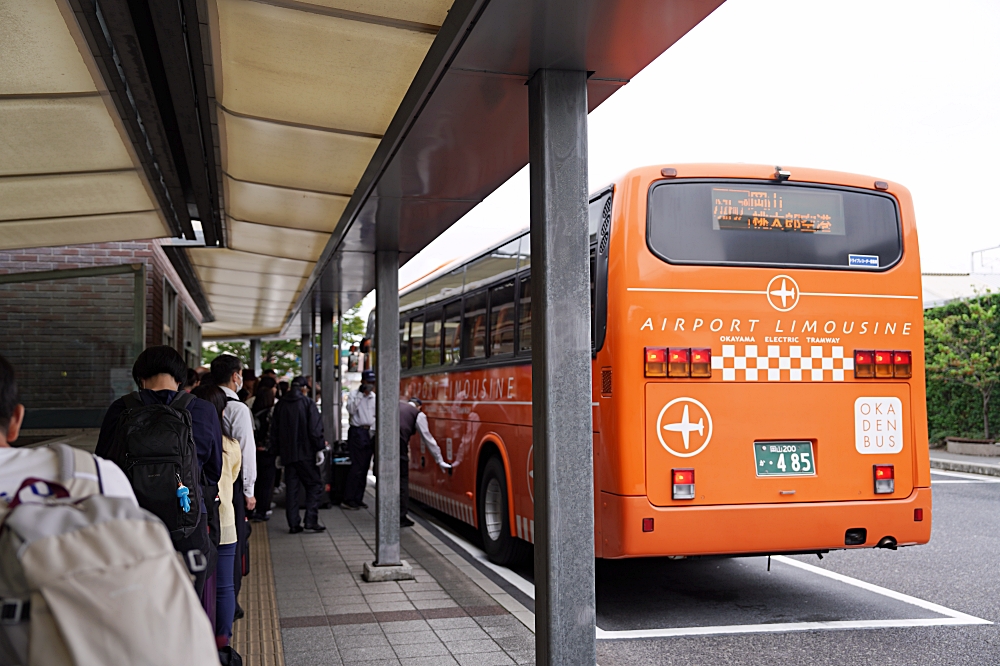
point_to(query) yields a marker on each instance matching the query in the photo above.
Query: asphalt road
(839, 610)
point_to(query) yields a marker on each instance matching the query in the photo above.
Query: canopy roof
(286, 127)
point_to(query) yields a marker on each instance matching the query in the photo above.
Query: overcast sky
(903, 90)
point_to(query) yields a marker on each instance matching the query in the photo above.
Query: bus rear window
(764, 224)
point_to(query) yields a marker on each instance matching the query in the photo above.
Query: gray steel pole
(255, 359)
(330, 413)
(387, 407)
(306, 317)
(562, 431)
(338, 379)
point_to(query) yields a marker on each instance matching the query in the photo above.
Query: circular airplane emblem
(684, 427)
(782, 293)
(531, 473)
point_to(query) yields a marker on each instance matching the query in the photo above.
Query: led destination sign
(763, 208)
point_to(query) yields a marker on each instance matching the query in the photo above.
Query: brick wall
(71, 340)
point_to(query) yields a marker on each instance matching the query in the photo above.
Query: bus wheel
(494, 517)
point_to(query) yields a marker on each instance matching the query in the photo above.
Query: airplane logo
(785, 290)
(701, 424)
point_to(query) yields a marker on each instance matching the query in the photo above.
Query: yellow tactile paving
(257, 637)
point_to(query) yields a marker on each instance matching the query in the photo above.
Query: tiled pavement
(329, 616)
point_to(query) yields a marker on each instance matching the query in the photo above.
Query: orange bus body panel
(727, 309)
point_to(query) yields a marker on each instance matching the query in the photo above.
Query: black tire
(494, 517)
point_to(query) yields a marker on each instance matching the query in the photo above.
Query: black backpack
(154, 446)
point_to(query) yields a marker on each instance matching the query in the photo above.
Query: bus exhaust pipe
(887, 542)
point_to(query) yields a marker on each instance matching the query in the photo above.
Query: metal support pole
(338, 379)
(306, 317)
(330, 413)
(255, 359)
(312, 345)
(562, 431)
(387, 407)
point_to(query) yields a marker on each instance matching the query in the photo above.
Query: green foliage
(212, 349)
(282, 356)
(963, 365)
(353, 326)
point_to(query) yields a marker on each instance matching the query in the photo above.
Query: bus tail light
(864, 364)
(701, 363)
(656, 361)
(918, 515)
(885, 481)
(683, 483)
(902, 364)
(883, 364)
(678, 362)
(647, 524)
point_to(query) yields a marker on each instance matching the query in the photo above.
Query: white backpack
(94, 581)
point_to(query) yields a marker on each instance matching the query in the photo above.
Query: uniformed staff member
(412, 419)
(361, 408)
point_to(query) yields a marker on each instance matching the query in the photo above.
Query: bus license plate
(784, 458)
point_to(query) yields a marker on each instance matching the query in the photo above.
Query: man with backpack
(59, 510)
(169, 444)
(297, 433)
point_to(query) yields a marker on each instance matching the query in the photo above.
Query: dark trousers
(306, 474)
(200, 541)
(404, 487)
(264, 488)
(240, 511)
(359, 448)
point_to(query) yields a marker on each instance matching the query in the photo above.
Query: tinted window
(491, 267)
(474, 326)
(432, 339)
(763, 223)
(404, 344)
(417, 342)
(524, 313)
(502, 319)
(452, 331)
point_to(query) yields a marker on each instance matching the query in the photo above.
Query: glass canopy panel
(78, 230)
(38, 53)
(243, 261)
(427, 12)
(277, 241)
(72, 194)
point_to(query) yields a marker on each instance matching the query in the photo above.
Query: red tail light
(885, 479)
(864, 364)
(918, 515)
(902, 364)
(678, 362)
(701, 363)
(683, 483)
(647, 524)
(883, 364)
(656, 361)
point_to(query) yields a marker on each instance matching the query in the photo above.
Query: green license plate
(784, 458)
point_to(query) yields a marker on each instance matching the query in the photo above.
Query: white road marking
(951, 617)
(966, 477)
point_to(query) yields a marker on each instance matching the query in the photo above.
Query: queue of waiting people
(185, 448)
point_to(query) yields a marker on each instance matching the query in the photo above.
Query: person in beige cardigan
(225, 591)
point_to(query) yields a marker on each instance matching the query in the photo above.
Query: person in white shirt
(426, 438)
(16, 465)
(361, 408)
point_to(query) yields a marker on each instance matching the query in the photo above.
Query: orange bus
(758, 384)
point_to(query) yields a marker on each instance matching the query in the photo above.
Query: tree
(282, 356)
(962, 348)
(353, 326)
(213, 349)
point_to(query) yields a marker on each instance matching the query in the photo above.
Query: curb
(969, 468)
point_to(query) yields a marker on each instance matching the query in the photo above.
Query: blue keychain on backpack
(182, 495)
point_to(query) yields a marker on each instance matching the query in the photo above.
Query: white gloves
(320, 457)
(444, 466)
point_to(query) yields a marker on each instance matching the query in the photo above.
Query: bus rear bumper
(756, 528)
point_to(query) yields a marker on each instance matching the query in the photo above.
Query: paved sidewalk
(329, 616)
(956, 462)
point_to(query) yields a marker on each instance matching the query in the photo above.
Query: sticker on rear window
(863, 260)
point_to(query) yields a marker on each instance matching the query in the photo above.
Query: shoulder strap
(78, 471)
(181, 400)
(132, 400)
(232, 399)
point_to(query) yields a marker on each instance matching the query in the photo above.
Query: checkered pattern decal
(816, 363)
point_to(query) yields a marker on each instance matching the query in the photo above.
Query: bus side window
(417, 341)
(404, 344)
(502, 319)
(524, 316)
(452, 331)
(593, 290)
(474, 326)
(432, 339)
